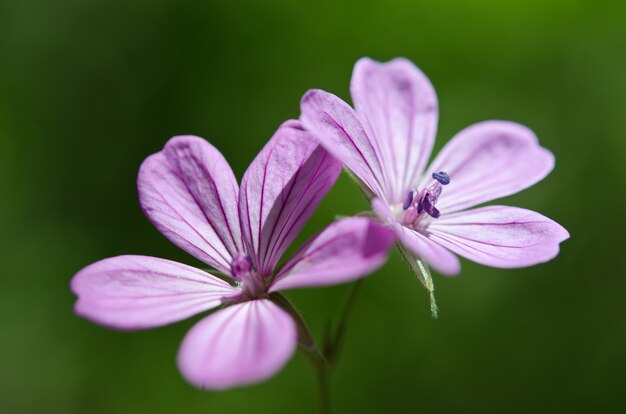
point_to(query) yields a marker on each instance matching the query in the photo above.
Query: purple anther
(407, 201)
(434, 213)
(428, 205)
(241, 265)
(442, 177)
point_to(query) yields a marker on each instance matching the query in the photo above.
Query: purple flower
(190, 194)
(386, 143)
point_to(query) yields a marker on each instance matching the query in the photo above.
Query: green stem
(324, 391)
(326, 361)
(336, 347)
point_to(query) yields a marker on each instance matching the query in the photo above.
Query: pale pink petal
(190, 194)
(346, 250)
(137, 292)
(339, 128)
(432, 253)
(399, 105)
(280, 191)
(486, 161)
(499, 236)
(426, 249)
(242, 344)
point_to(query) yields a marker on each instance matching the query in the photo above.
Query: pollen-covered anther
(442, 177)
(408, 200)
(428, 205)
(419, 203)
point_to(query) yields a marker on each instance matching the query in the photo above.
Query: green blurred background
(88, 89)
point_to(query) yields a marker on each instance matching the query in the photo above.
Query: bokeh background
(89, 88)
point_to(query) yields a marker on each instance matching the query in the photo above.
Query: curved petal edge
(243, 344)
(346, 250)
(140, 292)
(189, 192)
(500, 236)
(487, 161)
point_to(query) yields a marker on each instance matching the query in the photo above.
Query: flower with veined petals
(190, 193)
(386, 142)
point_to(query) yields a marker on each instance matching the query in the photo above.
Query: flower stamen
(442, 177)
(408, 200)
(242, 270)
(419, 203)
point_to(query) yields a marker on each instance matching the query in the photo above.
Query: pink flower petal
(346, 250)
(338, 127)
(190, 194)
(487, 161)
(280, 191)
(242, 344)
(400, 106)
(137, 292)
(499, 236)
(432, 253)
(439, 258)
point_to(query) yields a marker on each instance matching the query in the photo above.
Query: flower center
(242, 270)
(419, 203)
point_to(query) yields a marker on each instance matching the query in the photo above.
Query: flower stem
(323, 362)
(332, 351)
(334, 348)
(324, 391)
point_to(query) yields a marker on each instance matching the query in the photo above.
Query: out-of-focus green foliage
(90, 88)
